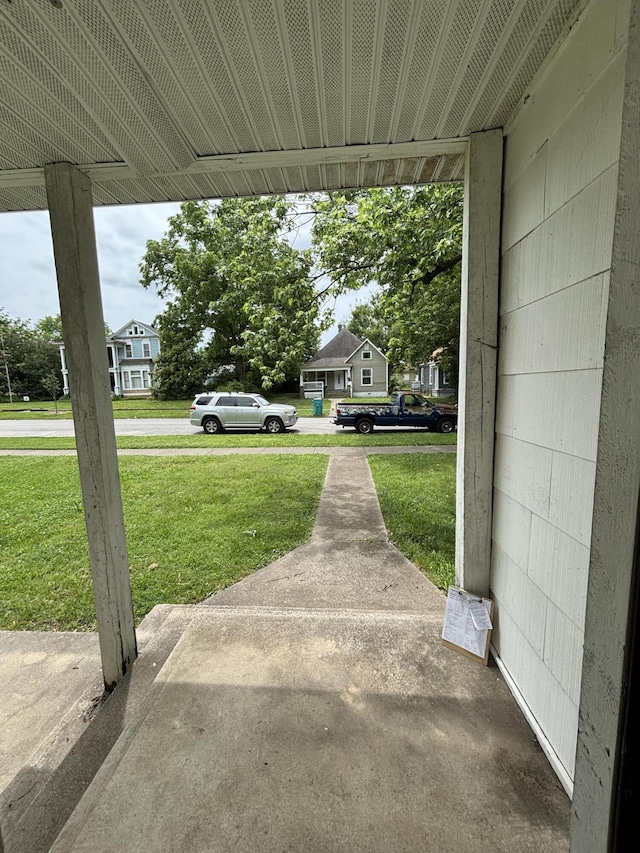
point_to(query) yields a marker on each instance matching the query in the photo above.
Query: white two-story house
(131, 351)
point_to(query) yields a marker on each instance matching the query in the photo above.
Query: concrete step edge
(328, 613)
(59, 784)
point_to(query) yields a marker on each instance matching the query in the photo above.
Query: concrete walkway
(348, 563)
(310, 707)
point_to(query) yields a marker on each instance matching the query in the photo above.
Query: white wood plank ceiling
(180, 99)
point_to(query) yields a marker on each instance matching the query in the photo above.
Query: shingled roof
(336, 352)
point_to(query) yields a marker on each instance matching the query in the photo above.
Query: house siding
(129, 364)
(559, 195)
(378, 364)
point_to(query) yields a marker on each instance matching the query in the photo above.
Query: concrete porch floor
(310, 707)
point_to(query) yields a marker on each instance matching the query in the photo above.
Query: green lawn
(347, 439)
(194, 526)
(197, 524)
(140, 408)
(417, 495)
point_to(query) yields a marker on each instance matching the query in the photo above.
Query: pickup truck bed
(405, 409)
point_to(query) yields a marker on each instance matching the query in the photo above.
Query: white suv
(220, 410)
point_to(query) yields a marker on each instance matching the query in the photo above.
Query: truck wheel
(445, 425)
(212, 426)
(273, 425)
(364, 426)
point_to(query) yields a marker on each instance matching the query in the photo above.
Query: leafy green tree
(409, 241)
(237, 292)
(180, 369)
(26, 358)
(368, 320)
(49, 328)
(51, 384)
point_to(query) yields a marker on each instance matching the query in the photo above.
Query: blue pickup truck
(405, 409)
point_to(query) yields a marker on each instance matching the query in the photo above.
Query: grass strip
(417, 495)
(172, 442)
(138, 408)
(194, 526)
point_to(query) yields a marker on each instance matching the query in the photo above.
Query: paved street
(160, 426)
(141, 426)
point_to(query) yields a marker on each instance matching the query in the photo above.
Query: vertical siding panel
(561, 151)
(559, 565)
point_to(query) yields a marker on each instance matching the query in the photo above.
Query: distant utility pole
(6, 368)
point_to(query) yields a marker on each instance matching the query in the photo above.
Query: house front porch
(332, 383)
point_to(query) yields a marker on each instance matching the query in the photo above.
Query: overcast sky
(27, 275)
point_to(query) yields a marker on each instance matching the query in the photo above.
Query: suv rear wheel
(212, 426)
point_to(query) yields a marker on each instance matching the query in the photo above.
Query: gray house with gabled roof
(346, 367)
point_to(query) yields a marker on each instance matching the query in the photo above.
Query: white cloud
(28, 287)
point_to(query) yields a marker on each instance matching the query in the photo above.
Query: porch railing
(312, 389)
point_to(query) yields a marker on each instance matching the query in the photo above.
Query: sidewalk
(349, 562)
(309, 707)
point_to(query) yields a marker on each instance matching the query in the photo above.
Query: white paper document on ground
(467, 621)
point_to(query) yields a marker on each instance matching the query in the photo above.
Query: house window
(126, 380)
(146, 382)
(136, 379)
(128, 351)
(366, 354)
(146, 349)
(367, 376)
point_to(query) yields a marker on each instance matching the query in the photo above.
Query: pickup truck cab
(407, 408)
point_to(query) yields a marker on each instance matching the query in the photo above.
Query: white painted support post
(65, 377)
(615, 532)
(72, 228)
(478, 359)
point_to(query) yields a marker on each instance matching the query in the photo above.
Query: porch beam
(216, 163)
(74, 246)
(478, 359)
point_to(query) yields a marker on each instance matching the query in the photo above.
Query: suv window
(226, 401)
(245, 401)
(203, 401)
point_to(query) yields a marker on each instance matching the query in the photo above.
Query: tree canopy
(27, 357)
(408, 240)
(368, 320)
(236, 291)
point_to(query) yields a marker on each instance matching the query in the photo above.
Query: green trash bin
(317, 408)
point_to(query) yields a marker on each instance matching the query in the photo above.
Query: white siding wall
(558, 213)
